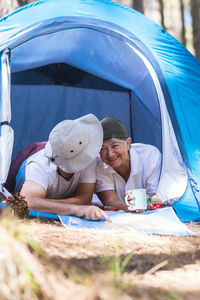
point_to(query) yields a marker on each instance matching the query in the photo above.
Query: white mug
(139, 199)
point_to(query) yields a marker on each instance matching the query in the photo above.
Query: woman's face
(114, 153)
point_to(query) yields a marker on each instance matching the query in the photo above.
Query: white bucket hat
(74, 144)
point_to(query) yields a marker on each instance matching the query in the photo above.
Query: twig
(157, 267)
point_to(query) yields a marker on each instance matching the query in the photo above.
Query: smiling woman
(124, 166)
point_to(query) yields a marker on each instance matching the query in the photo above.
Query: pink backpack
(18, 160)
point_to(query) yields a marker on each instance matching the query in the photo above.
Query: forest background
(181, 18)
(44, 260)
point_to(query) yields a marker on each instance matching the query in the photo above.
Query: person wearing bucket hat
(60, 178)
(124, 166)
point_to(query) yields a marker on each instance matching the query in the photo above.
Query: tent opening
(69, 73)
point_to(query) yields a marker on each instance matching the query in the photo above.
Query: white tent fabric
(173, 178)
(7, 135)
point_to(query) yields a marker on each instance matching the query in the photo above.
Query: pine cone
(18, 205)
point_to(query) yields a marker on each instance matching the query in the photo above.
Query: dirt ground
(99, 266)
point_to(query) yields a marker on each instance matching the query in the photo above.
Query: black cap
(113, 129)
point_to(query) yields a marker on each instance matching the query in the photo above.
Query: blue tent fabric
(110, 45)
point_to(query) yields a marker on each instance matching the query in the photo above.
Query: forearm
(78, 200)
(110, 198)
(117, 204)
(35, 195)
(54, 207)
(83, 211)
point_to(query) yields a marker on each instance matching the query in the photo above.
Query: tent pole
(130, 114)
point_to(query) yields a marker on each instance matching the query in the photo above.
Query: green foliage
(29, 279)
(172, 296)
(35, 247)
(79, 278)
(119, 266)
(116, 268)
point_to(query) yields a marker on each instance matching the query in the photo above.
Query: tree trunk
(6, 6)
(22, 2)
(161, 9)
(138, 5)
(183, 39)
(195, 12)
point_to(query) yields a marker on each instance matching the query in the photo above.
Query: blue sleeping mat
(163, 221)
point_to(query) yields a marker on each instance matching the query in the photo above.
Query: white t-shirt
(145, 172)
(41, 170)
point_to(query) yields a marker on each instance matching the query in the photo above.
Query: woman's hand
(130, 198)
(131, 201)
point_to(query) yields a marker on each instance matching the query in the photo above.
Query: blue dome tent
(61, 59)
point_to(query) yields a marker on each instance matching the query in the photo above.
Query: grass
(43, 260)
